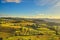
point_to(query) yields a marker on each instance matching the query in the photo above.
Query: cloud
(16, 1)
(41, 2)
(40, 15)
(55, 3)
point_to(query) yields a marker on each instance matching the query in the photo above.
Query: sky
(30, 8)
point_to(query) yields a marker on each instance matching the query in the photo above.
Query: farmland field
(28, 29)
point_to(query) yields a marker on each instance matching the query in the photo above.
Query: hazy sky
(30, 8)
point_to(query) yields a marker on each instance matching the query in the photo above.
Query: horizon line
(29, 17)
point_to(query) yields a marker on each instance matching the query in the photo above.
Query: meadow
(28, 29)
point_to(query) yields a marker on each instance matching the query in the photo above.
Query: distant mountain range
(52, 20)
(45, 19)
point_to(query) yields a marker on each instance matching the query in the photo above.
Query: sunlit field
(28, 29)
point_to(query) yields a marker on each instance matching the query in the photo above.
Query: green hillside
(28, 29)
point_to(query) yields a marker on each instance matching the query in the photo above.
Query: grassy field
(28, 29)
(41, 37)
